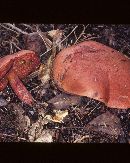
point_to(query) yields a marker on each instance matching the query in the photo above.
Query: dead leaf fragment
(52, 33)
(34, 42)
(59, 116)
(3, 102)
(64, 100)
(34, 132)
(79, 140)
(57, 36)
(23, 120)
(44, 71)
(45, 137)
(106, 123)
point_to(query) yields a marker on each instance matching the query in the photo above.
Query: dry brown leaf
(106, 123)
(57, 36)
(52, 33)
(34, 42)
(45, 137)
(44, 71)
(79, 140)
(23, 120)
(64, 100)
(3, 102)
(34, 132)
(59, 116)
(36, 129)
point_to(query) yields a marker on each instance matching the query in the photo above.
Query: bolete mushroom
(94, 70)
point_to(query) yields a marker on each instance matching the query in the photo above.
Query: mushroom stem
(19, 89)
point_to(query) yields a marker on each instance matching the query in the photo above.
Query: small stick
(75, 35)
(11, 48)
(86, 39)
(13, 136)
(47, 42)
(8, 28)
(16, 28)
(26, 25)
(93, 109)
(15, 45)
(66, 128)
(84, 27)
(61, 41)
(80, 139)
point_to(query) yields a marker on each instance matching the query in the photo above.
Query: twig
(61, 128)
(13, 136)
(93, 109)
(8, 28)
(16, 28)
(86, 39)
(84, 28)
(80, 139)
(93, 37)
(14, 39)
(55, 41)
(75, 35)
(32, 75)
(47, 42)
(11, 48)
(28, 26)
(4, 43)
(15, 45)
(61, 41)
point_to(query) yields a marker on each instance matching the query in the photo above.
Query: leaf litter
(60, 117)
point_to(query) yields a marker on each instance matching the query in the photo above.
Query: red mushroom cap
(25, 62)
(94, 70)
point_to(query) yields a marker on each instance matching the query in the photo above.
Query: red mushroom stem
(19, 89)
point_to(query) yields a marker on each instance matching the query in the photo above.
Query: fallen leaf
(36, 129)
(53, 33)
(23, 120)
(106, 123)
(34, 42)
(45, 137)
(3, 102)
(58, 117)
(64, 100)
(44, 71)
(57, 36)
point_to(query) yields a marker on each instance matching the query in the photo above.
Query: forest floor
(57, 116)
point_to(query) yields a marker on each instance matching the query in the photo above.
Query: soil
(57, 116)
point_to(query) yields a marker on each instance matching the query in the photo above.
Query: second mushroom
(94, 70)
